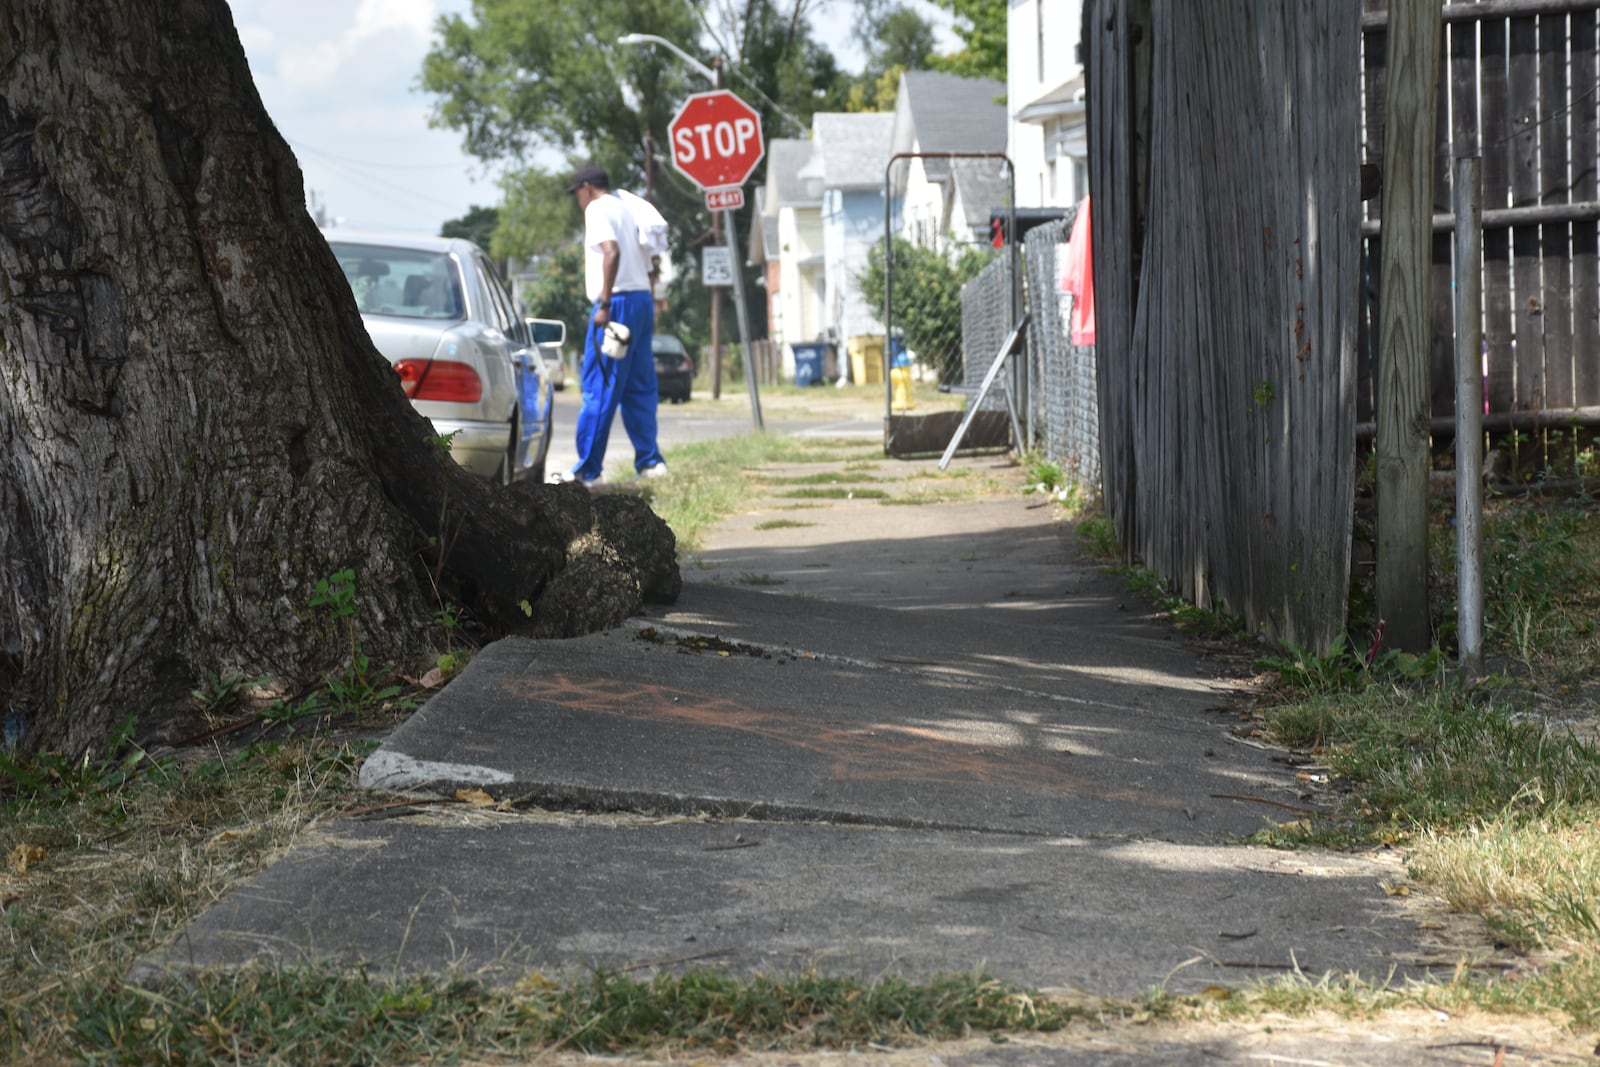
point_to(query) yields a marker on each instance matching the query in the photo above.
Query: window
(401, 281)
(500, 311)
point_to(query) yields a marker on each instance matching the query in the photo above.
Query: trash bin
(866, 358)
(808, 363)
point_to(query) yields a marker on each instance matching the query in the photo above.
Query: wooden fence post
(1404, 319)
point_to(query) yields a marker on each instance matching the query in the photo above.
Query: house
(940, 198)
(1046, 117)
(789, 241)
(847, 171)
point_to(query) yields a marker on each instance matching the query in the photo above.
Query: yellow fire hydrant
(899, 376)
(900, 388)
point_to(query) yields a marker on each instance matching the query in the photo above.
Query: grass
(713, 479)
(1490, 783)
(260, 1014)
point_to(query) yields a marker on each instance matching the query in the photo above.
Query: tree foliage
(927, 297)
(537, 215)
(477, 225)
(557, 292)
(981, 25)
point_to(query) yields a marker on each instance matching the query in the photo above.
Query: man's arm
(610, 257)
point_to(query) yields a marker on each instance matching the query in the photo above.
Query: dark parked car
(674, 368)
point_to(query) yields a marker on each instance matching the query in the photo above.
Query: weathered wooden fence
(1222, 144)
(1518, 87)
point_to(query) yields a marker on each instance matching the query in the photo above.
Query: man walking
(616, 272)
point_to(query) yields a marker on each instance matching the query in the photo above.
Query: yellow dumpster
(866, 358)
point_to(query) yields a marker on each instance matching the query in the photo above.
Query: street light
(650, 38)
(712, 76)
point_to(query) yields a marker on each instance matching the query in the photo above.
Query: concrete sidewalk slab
(620, 721)
(503, 895)
(895, 739)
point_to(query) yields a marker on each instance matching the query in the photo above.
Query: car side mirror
(547, 331)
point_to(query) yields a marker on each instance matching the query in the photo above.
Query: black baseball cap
(589, 174)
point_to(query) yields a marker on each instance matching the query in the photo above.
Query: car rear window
(401, 281)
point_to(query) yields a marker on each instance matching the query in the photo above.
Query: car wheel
(508, 461)
(536, 472)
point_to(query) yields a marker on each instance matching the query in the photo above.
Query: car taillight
(439, 379)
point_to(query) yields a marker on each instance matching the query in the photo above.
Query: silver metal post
(742, 314)
(1467, 197)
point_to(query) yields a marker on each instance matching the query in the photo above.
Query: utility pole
(716, 290)
(1404, 321)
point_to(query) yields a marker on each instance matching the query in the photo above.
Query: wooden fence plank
(1555, 187)
(1585, 235)
(1375, 51)
(1441, 342)
(1522, 104)
(1493, 40)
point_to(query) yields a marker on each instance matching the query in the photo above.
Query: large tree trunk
(194, 426)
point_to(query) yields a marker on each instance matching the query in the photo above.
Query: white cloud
(377, 16)
(381, 36)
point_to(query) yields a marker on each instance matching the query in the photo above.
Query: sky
(337, 77)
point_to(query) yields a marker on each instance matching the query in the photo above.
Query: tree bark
(194, 425)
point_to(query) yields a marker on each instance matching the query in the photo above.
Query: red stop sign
(716, 139)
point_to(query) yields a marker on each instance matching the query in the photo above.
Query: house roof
(938, 112)
(1064, 99)
(982, 189)
(853, 147)
(786, 158)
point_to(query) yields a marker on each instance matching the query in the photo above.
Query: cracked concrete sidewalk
(870, 739)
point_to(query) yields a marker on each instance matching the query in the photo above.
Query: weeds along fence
(1518, 87)
(1227, 273)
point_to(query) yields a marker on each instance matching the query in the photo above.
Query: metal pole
(1467, 197)
(742, 314)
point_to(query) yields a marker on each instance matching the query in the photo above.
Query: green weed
(358, 687)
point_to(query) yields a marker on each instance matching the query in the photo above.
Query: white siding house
(943, 199)
(1045, 111)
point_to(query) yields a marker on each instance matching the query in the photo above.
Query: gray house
(945, 199)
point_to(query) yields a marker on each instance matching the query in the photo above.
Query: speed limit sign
(716, 266)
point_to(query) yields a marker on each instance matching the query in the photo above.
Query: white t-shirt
(652, 227)
(608, 219)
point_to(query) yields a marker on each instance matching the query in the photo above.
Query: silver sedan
(437, 310)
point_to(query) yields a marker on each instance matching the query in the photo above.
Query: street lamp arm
(650, 38)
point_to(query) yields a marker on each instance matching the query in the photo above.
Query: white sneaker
(658, 471)
(563, 477)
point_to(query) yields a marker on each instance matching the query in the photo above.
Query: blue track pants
(628, 383)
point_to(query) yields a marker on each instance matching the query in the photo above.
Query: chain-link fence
(1053, 385)
(1064, 416)
(940, 208)
(985, 321)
